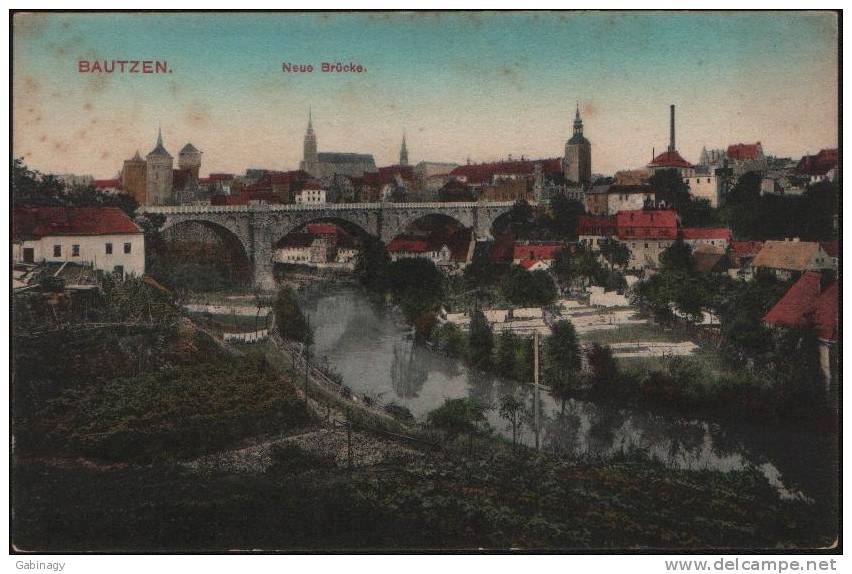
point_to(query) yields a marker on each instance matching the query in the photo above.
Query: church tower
(577, 163)
(159, 174)
(310, 159)
(403, 152)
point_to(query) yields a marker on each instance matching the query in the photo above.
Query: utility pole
(349, 444)
(535, 386)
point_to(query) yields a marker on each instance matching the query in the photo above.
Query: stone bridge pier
(259, 227)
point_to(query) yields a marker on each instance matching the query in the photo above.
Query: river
(376, 355)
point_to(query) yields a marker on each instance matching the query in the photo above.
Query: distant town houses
(103, 238)
(535, 256)
(321, 245)
(449, 252)
(789, 258)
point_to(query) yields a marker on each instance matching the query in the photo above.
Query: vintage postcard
(463, 281)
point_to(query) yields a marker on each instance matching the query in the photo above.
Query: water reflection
(373, 351)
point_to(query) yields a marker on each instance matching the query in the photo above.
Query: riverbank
(292, 485)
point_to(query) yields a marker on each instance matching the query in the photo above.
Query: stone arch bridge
(258, 227)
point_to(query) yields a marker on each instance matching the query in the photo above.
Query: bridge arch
(205, 242)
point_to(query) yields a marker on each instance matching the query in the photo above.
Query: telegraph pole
(535, 386)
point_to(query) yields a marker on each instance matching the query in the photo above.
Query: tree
(562, 361)
(371, 265)
(525, 288)
(677, 257)
(521, 218)
(418, 288)
(511, 408)
(566, 213)
(615, 252)
(459, 416)
(481, 340)
(564, 266)
(507, 346)
(35, 189)
(603, 367)
(669, 187)
(290, 321)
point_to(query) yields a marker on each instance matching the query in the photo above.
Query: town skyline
(449, 112)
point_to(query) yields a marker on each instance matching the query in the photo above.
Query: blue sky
(479, 85)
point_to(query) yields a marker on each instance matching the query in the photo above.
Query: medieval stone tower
(577, 163)
(403, 152)
(310, 158)
(189, 159)
(134, 178)
(159, 174)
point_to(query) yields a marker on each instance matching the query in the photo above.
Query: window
(75, 251)
(57, 251)
(118, 270)
(127, 247)
(109, 248)
(646, 246)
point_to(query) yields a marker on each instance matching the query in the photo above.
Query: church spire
(403, 152)
(159, 134)
(578, 122)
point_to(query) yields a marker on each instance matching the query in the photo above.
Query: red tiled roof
(826, 315)
(805, 303)
(669, 159)
(743, 151)
(707, 233)
(528, 263)
(646, 224)
(596, 225)
(408, 245)
(535, 251)
(818, 164)
(746, 248)
(322, 229)
(484, 172)
(37, 222)
(106, 183)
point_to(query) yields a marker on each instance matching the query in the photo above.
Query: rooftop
(38, 222)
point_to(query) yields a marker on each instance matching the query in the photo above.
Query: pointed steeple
(403, 152)
(159, 149)
(578, 122)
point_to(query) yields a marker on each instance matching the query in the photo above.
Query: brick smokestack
(672, 132)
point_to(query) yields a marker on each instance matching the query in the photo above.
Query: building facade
(104, 238)
(134, 178)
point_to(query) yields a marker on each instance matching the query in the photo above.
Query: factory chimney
(672, 131)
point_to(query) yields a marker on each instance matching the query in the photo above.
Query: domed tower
(577, 163)
(189, 159)
(310, 159)
(403, 152)
(159, 174)
(133, 178)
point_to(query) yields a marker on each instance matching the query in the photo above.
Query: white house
(103, 237)
(311, 196)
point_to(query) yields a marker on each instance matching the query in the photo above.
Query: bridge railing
(260, 207)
